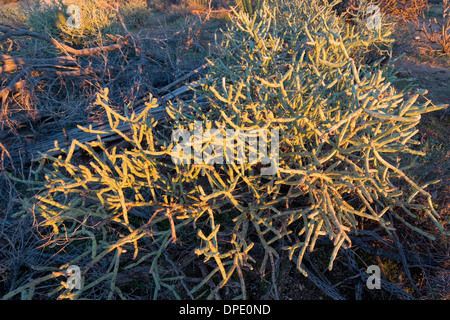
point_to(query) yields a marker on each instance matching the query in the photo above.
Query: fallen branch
(438, 32)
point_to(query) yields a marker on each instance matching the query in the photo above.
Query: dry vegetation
(132, 61)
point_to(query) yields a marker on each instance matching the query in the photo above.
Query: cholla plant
(292, 66)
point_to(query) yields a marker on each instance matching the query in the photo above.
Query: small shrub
(440, 37)
(135, 13)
